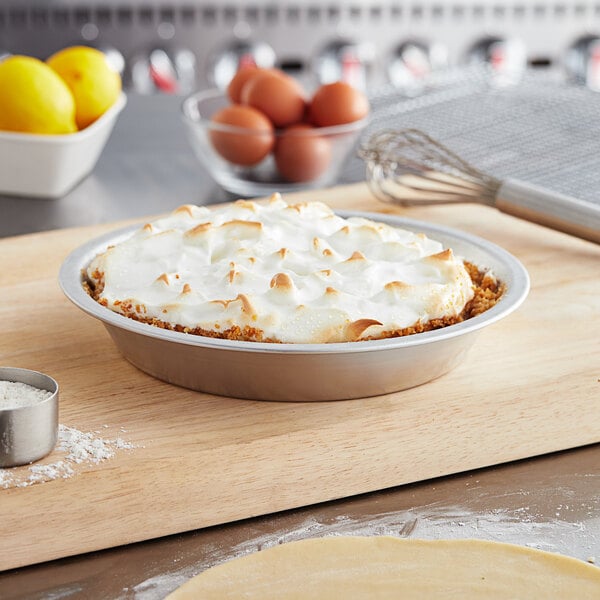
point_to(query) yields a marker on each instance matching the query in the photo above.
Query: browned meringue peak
(233, 274)
(198, 230)
(282, 281)
(298, 207)
(247, 204)
(164, 278)
(249, 226)
(355, 329)
(444, 256)
(283, 253)
(325, 272)
(397, 286)
(185, 209)
(395, 291)
(275, 198)
(354, 265)
(223, 303)
(242, 254)
(187, 289)
(148, 228)
(245, 304)
(320, 245)
(356, 255)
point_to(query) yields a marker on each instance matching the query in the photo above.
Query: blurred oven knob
(345, 61)
(507, 57)
(414, 61)
(114, 57)
(164, 71)
(226, 63)
(90, 34)
(582, 62)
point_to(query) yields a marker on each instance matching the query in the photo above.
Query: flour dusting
(75, 447)
(14, 394)
(82, 447)
(435, 521)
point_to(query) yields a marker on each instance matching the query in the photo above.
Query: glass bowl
(319, 168)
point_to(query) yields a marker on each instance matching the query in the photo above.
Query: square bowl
(319, 156)
(48, 166)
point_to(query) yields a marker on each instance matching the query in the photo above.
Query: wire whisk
(408, 167)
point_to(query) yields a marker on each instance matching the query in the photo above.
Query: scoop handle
(551, 209)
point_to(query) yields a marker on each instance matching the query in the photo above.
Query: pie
(287, 273)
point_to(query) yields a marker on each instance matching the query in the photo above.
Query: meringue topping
(296, 274)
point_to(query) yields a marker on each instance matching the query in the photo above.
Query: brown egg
(239, 79)
(244, 74)
(242, 147)
(336, 104)
(279, 96)
(300, 155)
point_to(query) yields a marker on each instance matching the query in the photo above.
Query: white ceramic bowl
(302, 372)
(48, 166)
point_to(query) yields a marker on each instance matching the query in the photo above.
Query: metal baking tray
(302, 372)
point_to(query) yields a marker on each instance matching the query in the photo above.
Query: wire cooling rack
(538, 128)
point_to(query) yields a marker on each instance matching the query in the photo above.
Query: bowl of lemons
(55, 119)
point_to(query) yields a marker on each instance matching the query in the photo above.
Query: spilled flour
(76, 447)
(434, 521)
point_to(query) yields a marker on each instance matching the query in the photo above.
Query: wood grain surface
(529, 386)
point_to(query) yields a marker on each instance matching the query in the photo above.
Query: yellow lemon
(33, 98)
(94, 83)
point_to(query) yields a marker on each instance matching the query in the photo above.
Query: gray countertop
(146, 168)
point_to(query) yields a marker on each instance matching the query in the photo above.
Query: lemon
(33, 98)
(94, 83)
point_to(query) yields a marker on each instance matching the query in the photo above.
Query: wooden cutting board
(529, 386)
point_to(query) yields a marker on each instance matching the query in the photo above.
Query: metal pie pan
(302, 372)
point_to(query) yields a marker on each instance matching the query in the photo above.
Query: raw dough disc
(387, 567)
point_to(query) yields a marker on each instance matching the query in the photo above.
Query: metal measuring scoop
(409, 168)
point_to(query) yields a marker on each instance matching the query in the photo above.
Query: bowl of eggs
(265, 134)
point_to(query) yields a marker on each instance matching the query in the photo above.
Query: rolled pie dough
(387, 567)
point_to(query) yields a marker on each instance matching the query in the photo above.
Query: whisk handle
(551, 209)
